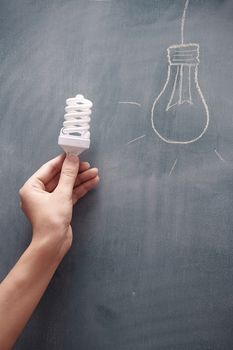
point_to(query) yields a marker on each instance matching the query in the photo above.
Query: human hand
(47, 199)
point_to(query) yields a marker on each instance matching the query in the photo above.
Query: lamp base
(73, 144)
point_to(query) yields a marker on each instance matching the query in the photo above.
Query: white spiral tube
(75, 135)
(77, 117)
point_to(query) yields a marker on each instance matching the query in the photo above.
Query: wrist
(48, 248)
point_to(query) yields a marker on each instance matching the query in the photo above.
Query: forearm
(23, 288)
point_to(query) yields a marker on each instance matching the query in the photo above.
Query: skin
(47, 199)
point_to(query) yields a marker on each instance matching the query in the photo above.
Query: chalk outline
(137, 138)
(219, 156)
(129, 103)
(173, 90)
(190, 96)
(183, 21)
(173, 167)
(181, 82)
(180, 68)
(136, 104)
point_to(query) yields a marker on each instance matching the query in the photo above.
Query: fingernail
(88, 165)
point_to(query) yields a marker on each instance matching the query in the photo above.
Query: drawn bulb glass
(180, 113)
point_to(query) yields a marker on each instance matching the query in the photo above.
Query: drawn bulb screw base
(75, 136)
(180, 114)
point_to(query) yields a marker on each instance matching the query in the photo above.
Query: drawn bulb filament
(77, 117)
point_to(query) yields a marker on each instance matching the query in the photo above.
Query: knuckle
(69, 172)
(22, 192)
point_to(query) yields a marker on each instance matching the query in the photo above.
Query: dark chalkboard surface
(151, 266)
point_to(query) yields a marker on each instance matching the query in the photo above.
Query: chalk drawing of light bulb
(180, 114)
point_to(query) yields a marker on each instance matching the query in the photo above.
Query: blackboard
(151, 266)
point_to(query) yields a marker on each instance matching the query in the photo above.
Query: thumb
(69, 172)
